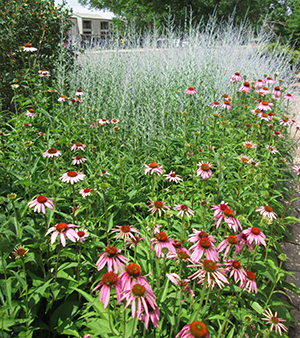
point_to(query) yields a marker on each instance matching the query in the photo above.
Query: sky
(77, 8)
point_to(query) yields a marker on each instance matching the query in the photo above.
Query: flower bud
(12, 196)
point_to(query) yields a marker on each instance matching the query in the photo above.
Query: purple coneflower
(183, 210)
(79, 92)
(274, 321)
(132, 275)
(183, 284)
(259, 84)
(228, 242)
(112, 258)
(289, 97)
(204, 246)
(78, 145)
(40, 203)
(237, 271)
(153, 168)
(236, 77)
(249, 144)
(158, 206)
(78, 160)
(125, 232)
(64, 230)
(82, 234)
(72, 177)
(250, 282)
(264, 105)
(254, 234)
(246, 88)
(191, 91)
(162, 241)
(204, 171)
(172, 177)
(86, 192)
(30, 113)
(226, 104)
(267, 212)
(272, 149)
(268, 80)
(20, 251)
(28, 48)
(153, 315)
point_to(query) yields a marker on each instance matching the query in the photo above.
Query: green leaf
(255, 306)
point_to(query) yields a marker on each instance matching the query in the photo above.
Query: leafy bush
(39, 23)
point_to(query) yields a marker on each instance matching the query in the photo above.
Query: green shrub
(39, 23)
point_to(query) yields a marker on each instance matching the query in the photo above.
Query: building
(90, 28)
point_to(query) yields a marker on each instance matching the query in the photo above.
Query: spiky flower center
(78, 144)
(265, 103)
(173, 175)
(249, 145)
(177, 244)
(203, 234)
(251, 275)
(86, 190)
(264, 115)
(237, 73)
(109, 278)
(138, 290)
(265, 88)
(79, 91)
(274, 320)
(111, 251)
(61, 227)
(133, 270)
(205, 243)
(205, 167)
(183, 255)
(161, 237)
(198, 329)
(158, 204)
(31, 110)
(223, 207)
(268, 208)
(216, 103)
(184, 207)
(289, 95)
(271, 114)
(114, 120)
(246, 84)
(125, 228)
(228, 212)
(27, 45)
(41, 199)
(232, 239)
(245, 159)
(191, 88)
(20, 251)
(255, 231)
(80, 233)
(78, 157)
(227, 103)
(52, 151)
(72, 174)
(236, 264)
(209, 266)
(63, 96)
(153, 165)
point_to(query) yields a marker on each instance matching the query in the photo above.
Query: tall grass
(138, 85)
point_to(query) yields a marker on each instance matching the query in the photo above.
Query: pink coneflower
(245, 159)
(289, 97)
(246, 88)
(278, 134)
(103, 122)
(112, 258)
(226, 104)
(86, 192)
(158, 206)
(20, 251)
(153, 168)
(285, 122)
(153, 314)
(197, 235)
(264, 116)
(254, 234)
(228, 242)
(250, 282)
(254, 163)
(62, 98)
(277, 92)
(269, 80)
(226, 97)
(196, 329)
(64, 230)
(30, 113)
(216, 104)
(162, 241)
(272, 149)
(135, 240)
(28, 48)
(237, 271)
(52, 152)
(183, 210)
(218, 209)
(215, 275)
(114, 121)
(183, 284)
(94, 125)
(139, 296)
(78, 160)
(180, 255)
(274, 321)
(27, 125)
(172, 177)
(236, 77)
(191, 91)
(104, 172)
(244, 241)
(228, 216)
(40, 203)
(204, 246)
(264, 105)
(124, 231)
(259, 83)
(296, 168)
(204, 171)
(78, 145)
(132, 275)
(44, 73)
(155, 228)
(249, 144)
(82, 234)
(79, 92)
(72, 177)
(265, 91)
(78, 100)
(108, 280)
(267, 212)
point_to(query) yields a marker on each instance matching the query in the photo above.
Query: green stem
(56, 267)
(106, 218)
(109, 323)
(224, 322)
(271, 293)
(179, 310)
(74, 203)
(16, 220)
(202, 297)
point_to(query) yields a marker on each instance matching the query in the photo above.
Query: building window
(87, 25)
(104, 25)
